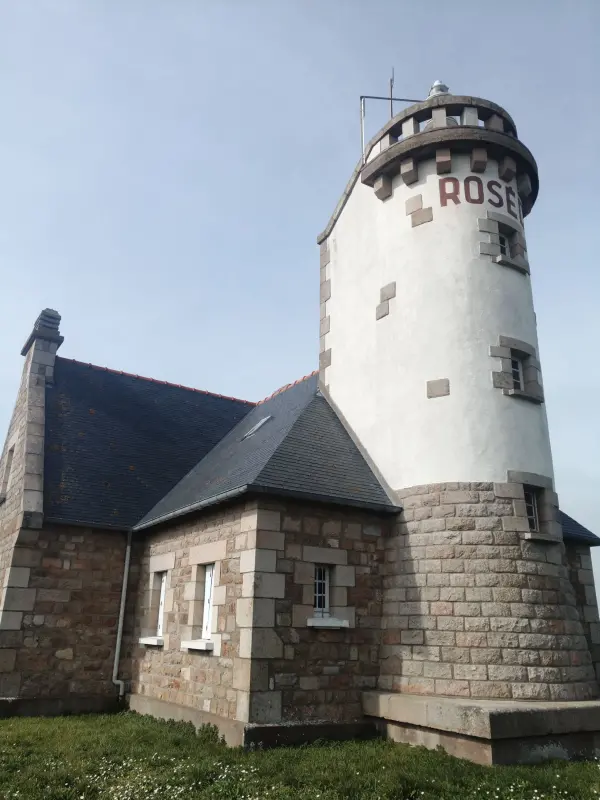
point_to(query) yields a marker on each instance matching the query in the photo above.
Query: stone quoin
(375, 549)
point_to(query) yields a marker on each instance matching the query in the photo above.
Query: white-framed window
(322, 583)
(531, 507)
(162, 578)
(207, 609)
(200, 591)
(504, 244)
(516, 366)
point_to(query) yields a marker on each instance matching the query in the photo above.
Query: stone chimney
(46, 333)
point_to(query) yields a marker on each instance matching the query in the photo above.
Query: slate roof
(573, 531)
(123, 451)
(302, 451)
(117, 443)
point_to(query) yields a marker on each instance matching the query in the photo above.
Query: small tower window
(321, 603)
(520, 373)
(517, 373)
(504, 245)
(531, 507)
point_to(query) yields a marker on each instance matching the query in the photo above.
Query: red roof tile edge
(155, 380)
(288, 386)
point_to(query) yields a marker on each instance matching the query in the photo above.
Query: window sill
(152, 641)
(327, 622)
(198, 644)
(515, 263)
(531, 398)
(539, 536)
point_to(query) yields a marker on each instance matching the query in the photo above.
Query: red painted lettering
(493, 187)
(510, 202)
(470, 197)
(449, 190)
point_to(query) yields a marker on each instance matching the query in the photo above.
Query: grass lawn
(128, 757)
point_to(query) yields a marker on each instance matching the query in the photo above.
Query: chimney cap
(438, 87)
(46, 327)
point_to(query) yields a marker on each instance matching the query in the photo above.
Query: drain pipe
(115, 679)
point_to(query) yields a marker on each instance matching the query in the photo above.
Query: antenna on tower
(390, 99)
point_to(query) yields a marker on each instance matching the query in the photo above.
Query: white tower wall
(426, 308)
(451, 305)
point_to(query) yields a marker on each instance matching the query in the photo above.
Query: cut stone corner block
(421, 216)
(324, 256)
(265, 707)
(325, 291)
(383, 187)
(439, 118)
(443, 161)
(524, 186)
(507, 168)
(387, 141)
(469, 116)
(410, 126)
(382, 310)
(485, 225)
(478, 159)
(387, 292)
(489, 249)
(409, 171)
(10, 620)
(438, 388)
(489, 731)
(325, 359)
(414, 203)
(495, 123)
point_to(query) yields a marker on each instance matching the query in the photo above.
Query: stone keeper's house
(378, 545)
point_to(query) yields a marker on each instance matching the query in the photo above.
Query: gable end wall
(21, 512)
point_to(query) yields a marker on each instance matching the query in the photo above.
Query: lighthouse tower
(429, 353)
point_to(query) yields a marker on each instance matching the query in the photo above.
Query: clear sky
(165, 167)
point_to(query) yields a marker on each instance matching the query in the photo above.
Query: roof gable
(319, 460)
(302, 450)
(116, 443)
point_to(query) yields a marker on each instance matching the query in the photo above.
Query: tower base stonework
(474, 606)
(487, 630)
(489, 731)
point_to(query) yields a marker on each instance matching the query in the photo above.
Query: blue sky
(167, 164)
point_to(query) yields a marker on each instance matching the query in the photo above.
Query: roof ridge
(288, 386)
(155, 380)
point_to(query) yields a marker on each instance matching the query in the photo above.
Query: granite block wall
(268, 665)
(214, 681)
(319, 673)
(578, 561)
(474, 607)
(25, 435)
(60, 636)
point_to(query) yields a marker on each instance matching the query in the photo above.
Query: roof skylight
(256, 427)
